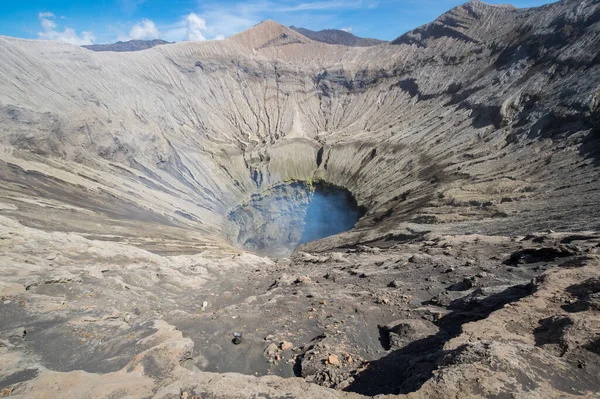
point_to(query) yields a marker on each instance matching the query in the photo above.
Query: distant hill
(336, 36)
(131, 45)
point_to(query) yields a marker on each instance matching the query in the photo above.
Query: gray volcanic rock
(131, 45)
(336, 36)
(133, 185)
(403, 332)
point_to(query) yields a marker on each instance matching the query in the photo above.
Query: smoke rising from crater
(331, 211)
(278, 220)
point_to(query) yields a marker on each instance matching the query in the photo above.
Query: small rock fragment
(302, 280)
(382, 300)
(237, 338)
(348, 358)
(395, 284)
(333, 360)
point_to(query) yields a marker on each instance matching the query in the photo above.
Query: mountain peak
(268, 33)
(466, 22)
(337, 36)
(131, 45)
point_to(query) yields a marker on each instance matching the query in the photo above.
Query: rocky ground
(445, 316)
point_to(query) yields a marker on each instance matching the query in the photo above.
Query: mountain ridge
(336, 36)
(125, 46)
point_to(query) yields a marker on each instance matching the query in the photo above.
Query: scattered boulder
(338, 257)
(321, 364)
(444, 298)
(544, 254)
(333, 360)
(303, 280)
(421, 259)
(470, 353)
(271, 353)
(310, 258)
(485, 299)
(578, 261)
(449, 270)
(395, 284)
(286, 345)
(401, 333)
(367, 249)
(237, 338)
(382, 300)
(466, 284)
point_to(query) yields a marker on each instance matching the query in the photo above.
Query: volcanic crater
(275, 221)
(270, 216)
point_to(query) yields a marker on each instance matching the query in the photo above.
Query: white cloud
(226, 20)
(67, 35)
(195, 27)
(348, 29)
(216, 21)
(145, 30)
(47, 24)
(224, 23)
(190, 27)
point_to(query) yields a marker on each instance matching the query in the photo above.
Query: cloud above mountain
(191, 27)
(51, 31)
(145, 30)
(76, 22)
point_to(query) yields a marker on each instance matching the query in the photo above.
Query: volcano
(419, 217)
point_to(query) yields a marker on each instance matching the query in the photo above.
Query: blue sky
(106, 21)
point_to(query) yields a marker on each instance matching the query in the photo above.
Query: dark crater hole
(275, 221)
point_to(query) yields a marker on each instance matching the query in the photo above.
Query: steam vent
(416, 219)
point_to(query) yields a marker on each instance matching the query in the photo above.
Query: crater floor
(276, 221)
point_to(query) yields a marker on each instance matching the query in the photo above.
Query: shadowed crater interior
(277, 220)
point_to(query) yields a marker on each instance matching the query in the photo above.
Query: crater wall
(466, 124)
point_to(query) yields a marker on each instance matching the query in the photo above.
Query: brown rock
(333, 360)
(304, 280)
(286, 345)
